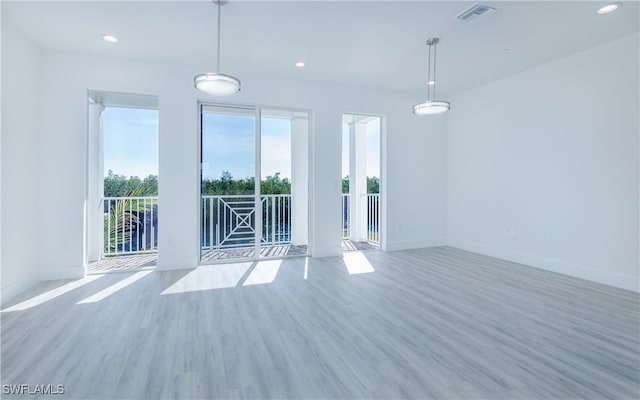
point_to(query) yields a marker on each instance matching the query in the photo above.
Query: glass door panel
(228, 164)
(284, 182)
(245, 218)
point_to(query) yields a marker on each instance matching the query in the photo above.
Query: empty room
(320, 199)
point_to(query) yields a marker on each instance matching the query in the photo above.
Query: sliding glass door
(243, 217)
(228, 185)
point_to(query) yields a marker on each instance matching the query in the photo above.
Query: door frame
(93, 175)
(383, 172)
(258, 178)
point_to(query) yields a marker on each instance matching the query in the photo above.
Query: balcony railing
(373, 217)
(346, 226)
(372, 203)
(228, 221)
(130, 225)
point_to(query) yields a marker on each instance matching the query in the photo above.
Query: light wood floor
(429, 323)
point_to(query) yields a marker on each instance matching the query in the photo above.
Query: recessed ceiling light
(109, 38)
(299, 64)
(609, 8)
(431, 83)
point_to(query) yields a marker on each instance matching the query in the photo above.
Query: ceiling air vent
(476, 11)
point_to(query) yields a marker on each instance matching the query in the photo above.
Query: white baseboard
(327, 252)
(622, 281)
(168, 265)
(415, 244)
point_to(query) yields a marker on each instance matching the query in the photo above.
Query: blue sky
(228, 143)
(130, 141)
(131, 144)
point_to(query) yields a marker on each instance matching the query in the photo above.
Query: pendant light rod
(431, 92)
(435, 48)
(219, 3)
(429, 73)
(431, 105)
(215, 83)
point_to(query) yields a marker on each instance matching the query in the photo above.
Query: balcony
(130, 225)
(227, 232)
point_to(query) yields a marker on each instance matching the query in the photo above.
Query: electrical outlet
(512, 232)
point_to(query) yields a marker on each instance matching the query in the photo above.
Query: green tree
(120, 186)
(373, 184)
(275, 185)
(150, 184)
(226, 185)
(345, 184)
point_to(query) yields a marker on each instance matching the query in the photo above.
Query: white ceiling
(375, 43)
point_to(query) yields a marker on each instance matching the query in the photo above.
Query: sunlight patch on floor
(264, 272)
(115, 287)
(52, 294)
(207, 277)
(357, 263)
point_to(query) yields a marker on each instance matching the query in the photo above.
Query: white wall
(543, 166)
(415, 145)
(20, 192)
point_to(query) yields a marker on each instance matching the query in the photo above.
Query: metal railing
(373, 217)
(372, 203)
(130, 225)
(276, 218)
(346, 226)
(230, 220)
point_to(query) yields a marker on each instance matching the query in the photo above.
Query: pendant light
(215, 83)
(431, 106)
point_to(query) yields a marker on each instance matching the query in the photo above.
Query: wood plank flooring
(430, 323)
(120, 263)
